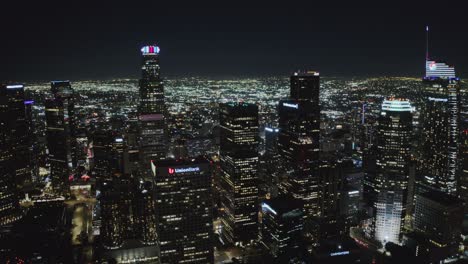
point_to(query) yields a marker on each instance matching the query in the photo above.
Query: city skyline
(231, 168)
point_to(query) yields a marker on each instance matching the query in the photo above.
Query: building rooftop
(442, 198)
(180, 162)
(397, 105)
(282, 204)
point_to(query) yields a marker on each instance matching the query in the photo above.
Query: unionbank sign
(182, 170)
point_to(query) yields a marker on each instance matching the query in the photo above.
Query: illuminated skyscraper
(151, 110)
(19, 131)
(441, 140)
(463, 182)
(389, 210)
(112, 229)
(239, 138)
(271, 141)
(298, 140)
(281, 228)
(437, 69)
(108, 148)
(184, 206)
(393, 167)
(439, 218)
(61, 142)
(9, 205)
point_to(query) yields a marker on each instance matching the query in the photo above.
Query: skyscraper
(19, 131)
(61, 142)
(438, 218)
(108, 147)
(282, 223)
(441, 135)
(184, 205)
(151, 110)
(298, 140)
(239, 138)
(9, 205)
(393, 167)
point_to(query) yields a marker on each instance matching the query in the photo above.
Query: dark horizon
(49, 41)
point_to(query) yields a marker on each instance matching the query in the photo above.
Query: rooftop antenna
(427, 43)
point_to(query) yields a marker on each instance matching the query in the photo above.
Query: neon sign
(291, 105)
(182, 170)
(339, 253)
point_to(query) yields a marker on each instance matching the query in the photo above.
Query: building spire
(427, 43)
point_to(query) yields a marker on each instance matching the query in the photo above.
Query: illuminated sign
(437, 99)
(119, 140)
(291, 105)
(353, 192)
(433, 66)
(28, 102)
(150, 50)
(339, 253)
(266, 207)
(182, 170)
(18, 86)
(271, 129)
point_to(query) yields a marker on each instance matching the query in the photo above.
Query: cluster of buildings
(300, 180)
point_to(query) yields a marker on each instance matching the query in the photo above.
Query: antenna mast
(427, 43)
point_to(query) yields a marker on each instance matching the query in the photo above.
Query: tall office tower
(184, 205)
(298, 140)
(102, 145)
(441, 140)
(146, 219)
(388, 219)
(112, 228)
(393, 167)
(305, 86)
(151, 110)
(281, 228)
(19, 132)
(32, 141)
(239, 180)
(61, 142)
(439, 217)
(108, 148)
(131, 148)
(331, 177)
(271, 141)
(9, 204)
(463, 183)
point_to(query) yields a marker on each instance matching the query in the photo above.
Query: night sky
(46, 40)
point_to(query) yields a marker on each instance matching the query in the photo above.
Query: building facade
(61, 142)
(239, 138)
(151, 111)
(184, 203)
(392, 168)
(298, 140)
